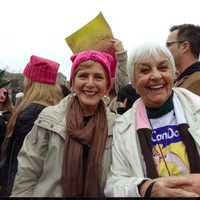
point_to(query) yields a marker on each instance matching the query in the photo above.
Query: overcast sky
(39, 26)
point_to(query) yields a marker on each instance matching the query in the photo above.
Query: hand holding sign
(96, 35)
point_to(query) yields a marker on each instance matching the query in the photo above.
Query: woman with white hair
(156, 143)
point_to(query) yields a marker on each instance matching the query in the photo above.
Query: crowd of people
(131, 133)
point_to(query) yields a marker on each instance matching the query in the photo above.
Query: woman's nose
(155, 74)
(90, 81)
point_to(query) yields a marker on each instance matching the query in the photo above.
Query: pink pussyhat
(41, 70)
(103, 58)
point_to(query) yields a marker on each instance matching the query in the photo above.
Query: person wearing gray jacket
(68, 151)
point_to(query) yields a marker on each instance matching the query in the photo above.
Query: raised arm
(121, 74)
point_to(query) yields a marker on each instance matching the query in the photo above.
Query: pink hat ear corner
(109, 57)
(33, 58)
(112, 61)
(73, 57)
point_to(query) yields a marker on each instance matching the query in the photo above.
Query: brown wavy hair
(7, 105)
(41, 93)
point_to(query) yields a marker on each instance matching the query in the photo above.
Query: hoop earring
(73, 93)
(106, 99)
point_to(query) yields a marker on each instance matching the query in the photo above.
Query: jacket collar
(188, 101)
(129, 117)
(53, 118)
(195, 67)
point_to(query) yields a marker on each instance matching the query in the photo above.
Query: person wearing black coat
(5, 105)
(125, 98)
(6, 109)
(2, 129)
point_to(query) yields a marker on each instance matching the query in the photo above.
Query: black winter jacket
(24, 124)
(4, 117)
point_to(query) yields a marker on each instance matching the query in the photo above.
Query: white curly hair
(145, 51)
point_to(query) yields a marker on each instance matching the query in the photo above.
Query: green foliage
(3, 83)
(1, 73)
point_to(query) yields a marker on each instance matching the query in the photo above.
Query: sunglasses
(5, 93)
(168, 44)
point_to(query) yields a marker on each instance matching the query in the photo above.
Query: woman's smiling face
(153, 80)
(3, 95)
(90, 84)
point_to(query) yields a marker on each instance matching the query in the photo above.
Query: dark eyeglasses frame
(5, 93)
(168, 44)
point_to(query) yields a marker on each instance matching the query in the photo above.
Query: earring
(73, 93)
(106, 99)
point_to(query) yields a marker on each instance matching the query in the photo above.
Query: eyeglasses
(5, 93)
(168, 44)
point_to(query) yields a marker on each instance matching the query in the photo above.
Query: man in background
(184, 43)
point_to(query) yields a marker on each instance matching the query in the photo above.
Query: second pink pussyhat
(41, 70)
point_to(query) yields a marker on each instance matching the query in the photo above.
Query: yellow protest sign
(93, 35)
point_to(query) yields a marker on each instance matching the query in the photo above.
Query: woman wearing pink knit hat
(40, 90)
(68, 151)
